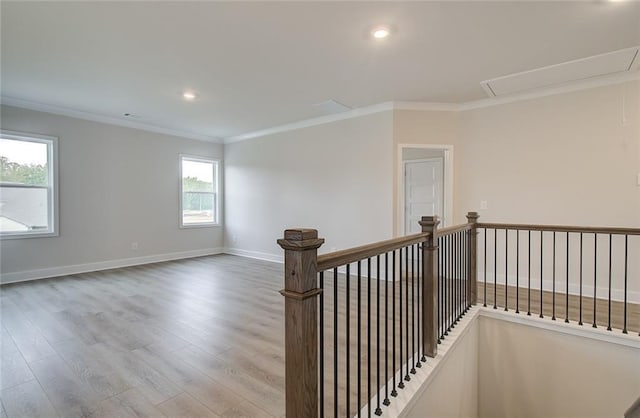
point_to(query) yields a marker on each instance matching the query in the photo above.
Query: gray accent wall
(117, 186)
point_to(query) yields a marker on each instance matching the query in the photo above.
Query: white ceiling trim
(354, 113)
(435, 107)
(590, 83)
(79, 114)
(442, 107)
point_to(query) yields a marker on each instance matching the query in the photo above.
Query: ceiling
(255, 65)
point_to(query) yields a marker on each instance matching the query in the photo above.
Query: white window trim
(52, 162)
(200, 158)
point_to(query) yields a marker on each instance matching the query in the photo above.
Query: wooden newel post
(472, 218)
(301, 321)
(430, 287)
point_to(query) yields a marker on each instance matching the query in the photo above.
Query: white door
(423, 196)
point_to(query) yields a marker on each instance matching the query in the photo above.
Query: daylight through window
(199, 189)
(27, 185)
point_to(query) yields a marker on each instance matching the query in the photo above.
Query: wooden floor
(152, 340)
(199, 337)
(579, 310)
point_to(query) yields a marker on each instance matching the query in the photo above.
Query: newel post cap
(300, 239)
(429, 221)
(472, 217)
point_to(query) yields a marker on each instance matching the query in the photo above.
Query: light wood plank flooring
(200, 337)
(574, 314)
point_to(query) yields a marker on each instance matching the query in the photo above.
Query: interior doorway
(425, 185)
(423, 191)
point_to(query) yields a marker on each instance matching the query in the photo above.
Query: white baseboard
(255, 254)
(22, 276)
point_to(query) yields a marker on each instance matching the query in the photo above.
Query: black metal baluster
(580, 309)
(386, 401)
(626, 265)
(460, 275)
(421, 277)
(506, 270)
(468, 264)
(454, 274)
(394, 392)
(406, 313)
(359, 390)
(348, 354)
(517, 271)
(449, 283)
(335, 342)
(321, 360)
(458, 282)
(566, 289)
(445, 286)
(454, 287)
(541, 270)
(378, 410)
(463, 268)
(495, 268)
(529, 277)
(450, 278)
(595, 275)
(369, 336)
(553, 280)
(485, 268)
(440, 293)
(609, 307)
(400, 312)
(413, 312)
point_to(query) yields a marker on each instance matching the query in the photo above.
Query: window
(199, 202)
(28, 185)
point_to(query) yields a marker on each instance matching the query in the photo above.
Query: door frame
(447, 191)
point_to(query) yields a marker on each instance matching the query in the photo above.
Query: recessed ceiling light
(380, 32)
(188, 95)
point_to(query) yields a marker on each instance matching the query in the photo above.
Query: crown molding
(354, 113)
(569, 87)
(427, 106)
(445, 107)
(94, 117)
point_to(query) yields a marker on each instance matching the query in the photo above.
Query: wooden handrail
(562, 228)
(351, 255)
(453, 229)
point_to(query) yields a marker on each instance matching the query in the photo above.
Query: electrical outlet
(483, 204)
(134, 245)
(638, 180)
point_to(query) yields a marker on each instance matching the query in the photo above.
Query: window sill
(27, 236)
(195, 226)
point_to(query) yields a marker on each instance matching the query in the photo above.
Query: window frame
(52, 188)
(218, 197)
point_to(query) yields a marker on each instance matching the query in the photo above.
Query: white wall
(424, 127)
(518, 366)
(527, 371)
(117, 186)
(453, 390)
(570, 159)
(335, 177)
